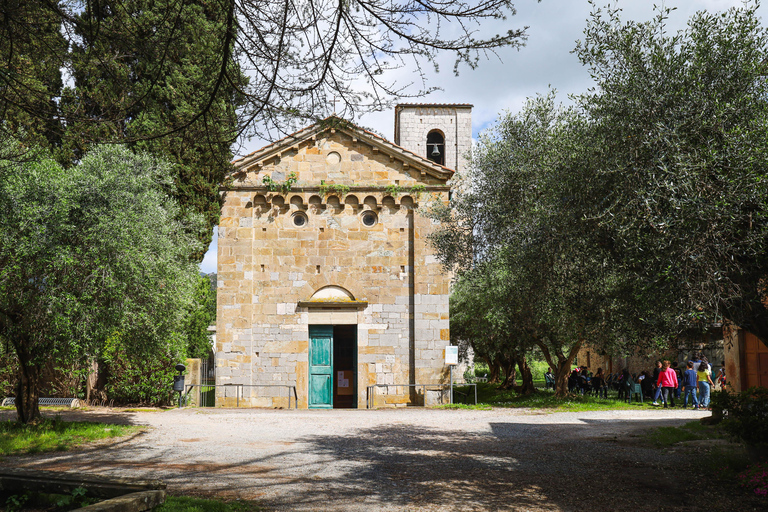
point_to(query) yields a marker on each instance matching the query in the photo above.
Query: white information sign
(451, 355)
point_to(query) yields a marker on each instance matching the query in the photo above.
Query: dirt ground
(411, 459)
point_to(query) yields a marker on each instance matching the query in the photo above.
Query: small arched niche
(260, 203)
(315, 204)
(390, 204)
(334, 204)
(352, 200)
(407, 202)
(298, 203)
(371, 202)
(278, 201)
(436, 147)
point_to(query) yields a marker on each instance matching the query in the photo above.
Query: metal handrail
(371, 391)
(239, 390)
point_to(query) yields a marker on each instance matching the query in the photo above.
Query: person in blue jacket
(689, 385)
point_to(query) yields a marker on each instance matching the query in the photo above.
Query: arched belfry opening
(436, 147)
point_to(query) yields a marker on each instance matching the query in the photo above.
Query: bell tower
(441, 132)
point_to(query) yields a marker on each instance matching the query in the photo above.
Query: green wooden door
(320, 367)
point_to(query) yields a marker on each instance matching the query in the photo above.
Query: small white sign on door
(451, 355)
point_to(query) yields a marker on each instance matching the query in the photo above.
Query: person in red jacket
(668, 383)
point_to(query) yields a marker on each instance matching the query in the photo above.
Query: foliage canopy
(640, 212)
(87, 253)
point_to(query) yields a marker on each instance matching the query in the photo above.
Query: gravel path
(408, 459)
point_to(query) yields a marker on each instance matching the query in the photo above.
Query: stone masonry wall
(267, 264)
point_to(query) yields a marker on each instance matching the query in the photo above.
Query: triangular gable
(409, 160)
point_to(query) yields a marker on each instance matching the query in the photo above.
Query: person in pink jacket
(668, 383)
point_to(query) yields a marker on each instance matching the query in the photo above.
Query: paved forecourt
(397, 459)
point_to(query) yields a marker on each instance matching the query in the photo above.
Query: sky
(503, 83)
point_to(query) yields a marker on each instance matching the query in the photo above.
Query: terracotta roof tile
(434, 105)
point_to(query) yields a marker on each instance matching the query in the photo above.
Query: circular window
(369, 219)
(333, 158)
(299, 220)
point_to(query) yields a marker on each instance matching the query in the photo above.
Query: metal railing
(238, 392)
(371, 394)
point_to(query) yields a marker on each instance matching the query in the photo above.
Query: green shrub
(481, 369)
(139, 378)
(746, 416)
(538, 368)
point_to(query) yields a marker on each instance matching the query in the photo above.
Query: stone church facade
(326, 277)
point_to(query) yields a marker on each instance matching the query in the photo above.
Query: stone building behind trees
(326, 277)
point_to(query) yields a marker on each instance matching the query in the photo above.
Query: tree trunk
(494, 367)
(561, 378)
(526, 376)
(562, 366)
(91, 379)
(510, 374)
(27, 389)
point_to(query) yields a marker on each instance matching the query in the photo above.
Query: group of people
(695, 381)
(667, 382)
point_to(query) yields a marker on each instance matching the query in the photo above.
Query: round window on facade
(369, 219)
(299, 219)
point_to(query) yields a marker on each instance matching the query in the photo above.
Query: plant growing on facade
(280, 186)
(333, 189)
(417, 190)
(393, 190)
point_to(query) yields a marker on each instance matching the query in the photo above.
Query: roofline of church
(352, 189)
(437, 105)
(436, 170)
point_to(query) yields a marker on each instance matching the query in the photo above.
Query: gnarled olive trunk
(562, 365)
(494, 368)
(27, 388)
(561, 378)
(510, 373)
(526, 376)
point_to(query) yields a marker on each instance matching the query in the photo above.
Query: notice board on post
(451, 355)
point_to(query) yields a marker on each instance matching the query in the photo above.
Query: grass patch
(478, 407)
(491, 395)
(189, 504)
(692, 431)
(143, 410)
(723, 462)
(55, 435)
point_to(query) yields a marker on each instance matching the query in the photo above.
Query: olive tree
(486, 316)
(88, 253)
(523, 209)
(681, 182)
